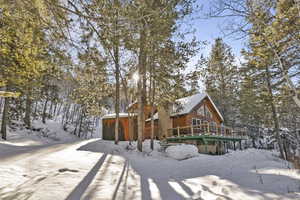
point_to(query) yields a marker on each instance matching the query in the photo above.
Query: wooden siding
(147, 133)
(186, 120)
(108, 127)
(180, 120)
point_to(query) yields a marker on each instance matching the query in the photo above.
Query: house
(197, 110)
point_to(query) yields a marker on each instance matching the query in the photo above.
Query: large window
(208, 113)
(204, 111)
(201, 111)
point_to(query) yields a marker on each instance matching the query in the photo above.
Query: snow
(186, 104)
(113, 115)
(98, 169)
(51, 132)
(183, 151)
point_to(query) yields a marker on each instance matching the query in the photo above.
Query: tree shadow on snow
(15, 152)
(86, 181)
(155, 185)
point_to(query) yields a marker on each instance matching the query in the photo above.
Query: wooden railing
(207, 129)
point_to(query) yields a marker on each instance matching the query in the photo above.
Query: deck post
(205, 142)
(208, 128)
(178, 131)
(234, 145)
(226, 143)
(192, 130)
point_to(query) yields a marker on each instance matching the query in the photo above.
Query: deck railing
(207, 129)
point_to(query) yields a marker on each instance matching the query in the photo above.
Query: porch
(208, 137)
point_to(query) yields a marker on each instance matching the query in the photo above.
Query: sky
(208, 29)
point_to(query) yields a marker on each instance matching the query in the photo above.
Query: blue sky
(210, 28)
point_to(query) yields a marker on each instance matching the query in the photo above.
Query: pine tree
(261, 61)
(220, 77)
(22, 53)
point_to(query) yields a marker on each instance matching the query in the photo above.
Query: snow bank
(54, 131)
(39, 134)
(182, 152)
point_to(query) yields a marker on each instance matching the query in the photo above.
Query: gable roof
(186, 104)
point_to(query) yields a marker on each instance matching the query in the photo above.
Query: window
(201, 111)
(213, 127)
(196, 122)
(204, 111)
(208, 113)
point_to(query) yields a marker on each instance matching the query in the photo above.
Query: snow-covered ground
(97, 169)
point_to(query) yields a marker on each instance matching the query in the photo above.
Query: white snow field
(100, 170)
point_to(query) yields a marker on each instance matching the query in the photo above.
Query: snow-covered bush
(181, 152)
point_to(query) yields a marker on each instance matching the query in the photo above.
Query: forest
(74, 60)
(64, 64)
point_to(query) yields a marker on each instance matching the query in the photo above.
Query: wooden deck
(208, 130)
(206, 138)
(205, 134)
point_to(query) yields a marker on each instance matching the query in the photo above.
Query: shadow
(186, 188)
(93, 188)
(120, 181)
(15, 152)
(205, 188)
(221, 177)
(86, 181)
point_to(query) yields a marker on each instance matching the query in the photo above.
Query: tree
(220, 76)
(280, 32)
(273, 31)
(22, 52)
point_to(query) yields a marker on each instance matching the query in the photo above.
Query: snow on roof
(131, 104)
(186, 104)
(113, 115)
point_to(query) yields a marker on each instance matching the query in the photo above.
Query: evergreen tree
(220, 77)
(23, 53)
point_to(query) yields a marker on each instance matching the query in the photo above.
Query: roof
(186, 104)
(113, 115)
(181, 106)
(215, 107)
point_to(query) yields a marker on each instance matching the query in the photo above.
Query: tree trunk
(54, 111)
(125, 89)
(44, 111)
(59, 109)
(152, 119)
(27, 119)
(285, 73)
(274, 113)
(117, 74)
(152, 107)
(80, 125)
(141, 89)
(35, 109)
(5, 118)
(50, 109)
(165, 122)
